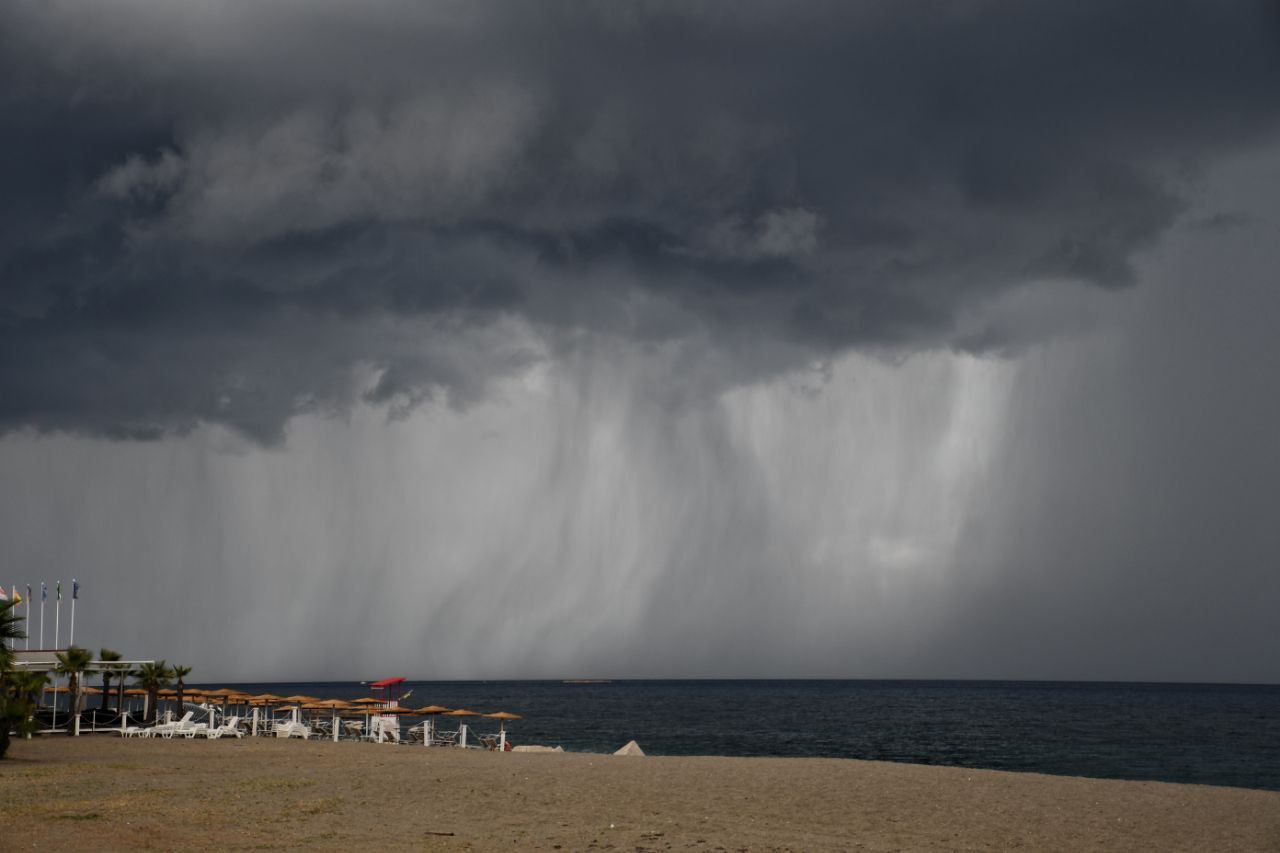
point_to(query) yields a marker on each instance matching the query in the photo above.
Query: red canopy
(386, 682)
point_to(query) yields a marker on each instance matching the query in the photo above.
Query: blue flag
(75, 588)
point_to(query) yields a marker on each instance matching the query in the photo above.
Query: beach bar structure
(46, 660)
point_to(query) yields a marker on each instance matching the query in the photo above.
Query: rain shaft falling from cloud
(574, 524)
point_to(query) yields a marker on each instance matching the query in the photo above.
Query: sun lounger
(291, 729)
(167, 730)
(231, 728)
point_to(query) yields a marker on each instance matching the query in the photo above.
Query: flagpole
(43, 591)
(57, 616)
(75, 591)
(28, 617)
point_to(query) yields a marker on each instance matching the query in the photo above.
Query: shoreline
(104, 733)
(180, 794)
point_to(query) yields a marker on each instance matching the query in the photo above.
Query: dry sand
(104, 793)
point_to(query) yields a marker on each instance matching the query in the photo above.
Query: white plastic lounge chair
(291, 729)
(194, 730)
(230, 728)
(167, 730)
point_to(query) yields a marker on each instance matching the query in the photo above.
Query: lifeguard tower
(389, 691)
(386, 726)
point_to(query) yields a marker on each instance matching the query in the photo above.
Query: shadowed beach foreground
(107, 793)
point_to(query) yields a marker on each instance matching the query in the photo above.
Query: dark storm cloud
(234, 213)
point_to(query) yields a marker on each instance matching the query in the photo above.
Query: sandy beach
(105, 793)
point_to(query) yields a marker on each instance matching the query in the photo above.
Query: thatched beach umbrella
(366, 704)
(462, 729)
(135, 692)
(335, 706)
(428, 725)
(166, 695)
(502, 717)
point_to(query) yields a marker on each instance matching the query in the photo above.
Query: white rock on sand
(531, 748)
(632, 748)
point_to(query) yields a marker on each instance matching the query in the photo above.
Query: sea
(1212, 734)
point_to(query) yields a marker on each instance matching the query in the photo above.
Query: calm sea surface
(1210, 734)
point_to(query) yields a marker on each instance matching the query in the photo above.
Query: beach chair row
(186, 728)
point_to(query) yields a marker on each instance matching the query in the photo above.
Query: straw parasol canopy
(368, 701)
(301, 699)
(504, 716)
(91, 691)
(336, 704)
(222, 691)
(170, 694)
(431, 709)
(462, 712)
(61, 688)
(135, 691)
(265, 699)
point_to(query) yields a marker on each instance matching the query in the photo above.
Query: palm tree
(107, 656)
(180, 672)
(10, 629)
(72, 662)
(153, 677)
(26, 687)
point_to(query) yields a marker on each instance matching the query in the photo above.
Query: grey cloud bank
(202, 200)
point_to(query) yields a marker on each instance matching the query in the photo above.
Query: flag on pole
(3, 596)
(28, 595)
(44, 591)
(17, 597)
(59, 591)
(75, 588)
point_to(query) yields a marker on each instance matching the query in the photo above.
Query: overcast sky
(912, 339)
